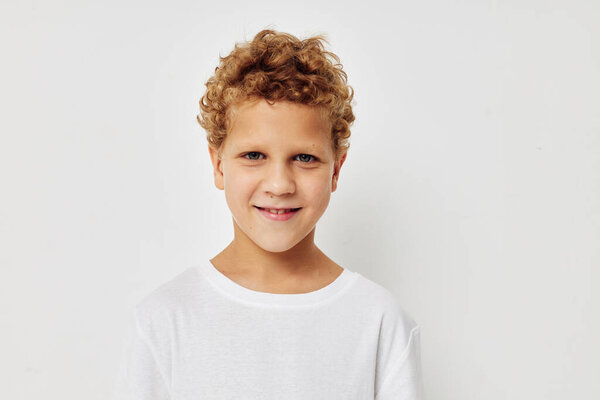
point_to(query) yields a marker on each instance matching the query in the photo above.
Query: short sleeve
(139, 376)
(404, 381)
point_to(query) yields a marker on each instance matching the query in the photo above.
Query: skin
(266, 160)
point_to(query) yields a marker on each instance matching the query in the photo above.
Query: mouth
(282, 214)
(278, 210)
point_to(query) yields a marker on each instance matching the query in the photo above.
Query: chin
(276, 246)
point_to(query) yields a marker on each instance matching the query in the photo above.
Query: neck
(245, 256)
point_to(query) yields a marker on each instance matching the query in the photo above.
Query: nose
(279, 180)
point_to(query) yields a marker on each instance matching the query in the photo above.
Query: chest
(256, 355)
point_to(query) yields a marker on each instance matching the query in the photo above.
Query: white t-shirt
(203, 336)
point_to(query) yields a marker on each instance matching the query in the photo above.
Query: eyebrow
(247, 144)
(252, 145)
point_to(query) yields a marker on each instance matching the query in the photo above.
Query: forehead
(283, 122)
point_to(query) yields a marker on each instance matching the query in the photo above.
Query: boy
(271, 316)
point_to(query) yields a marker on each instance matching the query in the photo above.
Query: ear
(336, 170)
(217, 168)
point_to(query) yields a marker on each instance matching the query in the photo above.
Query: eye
(251, 153)
(250, 156)
(308, 155)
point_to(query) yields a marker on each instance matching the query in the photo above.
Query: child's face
(278, 156)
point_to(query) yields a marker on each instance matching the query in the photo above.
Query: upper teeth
(274, 211)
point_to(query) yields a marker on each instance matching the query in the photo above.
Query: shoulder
(398, 349)
(394, 319)
(166, 301)
(380, 298)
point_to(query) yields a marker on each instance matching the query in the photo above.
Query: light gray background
(471, 188)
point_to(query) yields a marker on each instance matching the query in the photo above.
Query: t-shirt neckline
(234, 289)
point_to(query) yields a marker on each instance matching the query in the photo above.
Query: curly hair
(278, 66)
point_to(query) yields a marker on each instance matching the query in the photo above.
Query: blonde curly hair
(278, 66)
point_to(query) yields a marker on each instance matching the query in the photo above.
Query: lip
(277, 217)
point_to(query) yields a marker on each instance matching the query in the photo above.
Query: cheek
(318, 190)
(238, 188)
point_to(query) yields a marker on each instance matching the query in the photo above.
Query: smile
(278, 215)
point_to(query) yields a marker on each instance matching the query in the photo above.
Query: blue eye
(252, 152)
(311, 157)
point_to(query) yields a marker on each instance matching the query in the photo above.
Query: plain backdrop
(471, 188)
